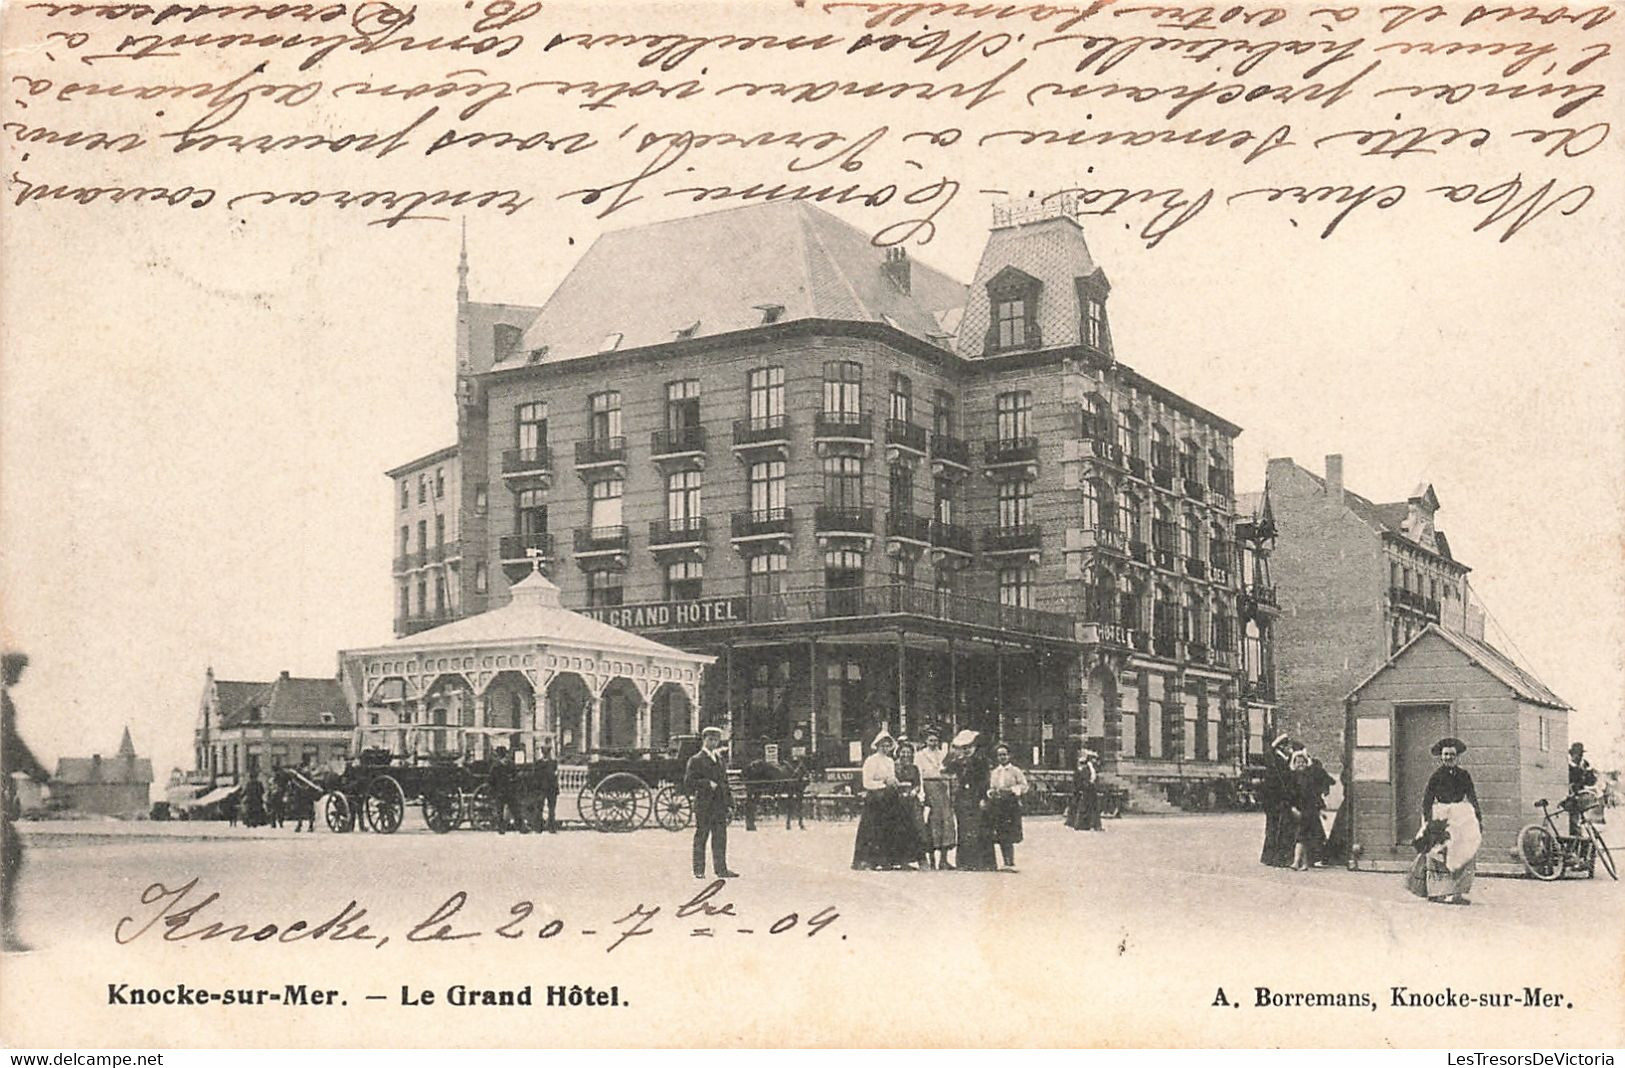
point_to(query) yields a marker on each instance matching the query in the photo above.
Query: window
(406, 539)
(1016, 586)
(683, 496)
(1163, 624)
(423, 597)
(1223, 636)
(439, 483)
(1097, 418)
(764, 389)
(1162, 449)
(945, 581)
(423, 488)
(440, 532)
(530, 512)
(1128, 515)
(683, 580)
(1190, 618)
(1155, 690)
(1094, 323)
(1162, 529)
(531, 422)
(1187, 460)
(482, 581)
(1545, 735)
(482, 495)
(1091, 506)
(406, 493)
(1010, 320)
(440, 593)
(1128, 604)
(765, 486)
(1192, 530)
(423, 537)
(843, 482)
(1015, 503)
(764, 574)
(944, 496)
(603, 589)
(903, 569)
(901, 495)
(843, 387)
(683, 404)
(604, 504)
(943, 418)
(902, 398)
(604, 415)
(1128, 434)
(843, 579)
(1252, 651)
(406, 602)
(1192, 729)
(771, 313)
(1013, 415)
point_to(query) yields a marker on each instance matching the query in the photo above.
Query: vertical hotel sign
(668, 615)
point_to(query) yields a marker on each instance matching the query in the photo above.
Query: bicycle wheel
(1600, 852)
(1541, 852)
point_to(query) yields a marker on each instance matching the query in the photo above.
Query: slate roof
(1386, 518)
(230, 696)
(1051, 250)
(125, 769)
(1515, 677)
(719, 270)
(291, 702)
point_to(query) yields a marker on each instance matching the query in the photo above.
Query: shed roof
(292, 702)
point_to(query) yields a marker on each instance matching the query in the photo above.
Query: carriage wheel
(1599, 852)
(621, 802)
(442, 809)
(385, 804)
(1541, 852)
(583, 799)
(673, 809)
(482, 809)
(340, 814)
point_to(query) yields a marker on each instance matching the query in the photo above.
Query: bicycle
(1548, 854)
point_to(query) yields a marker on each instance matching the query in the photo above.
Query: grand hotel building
(875, 494)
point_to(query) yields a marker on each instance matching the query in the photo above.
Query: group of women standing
(1293, 795)
(918, 805)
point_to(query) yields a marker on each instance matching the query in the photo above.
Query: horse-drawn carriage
(625, 788)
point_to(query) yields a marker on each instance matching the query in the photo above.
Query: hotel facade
(878, 496)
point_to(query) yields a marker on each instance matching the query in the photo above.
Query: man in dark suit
(505, 791)
(706, 781)
(547, 786)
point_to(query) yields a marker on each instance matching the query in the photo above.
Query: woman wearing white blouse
(1006, 784)
(884, 828)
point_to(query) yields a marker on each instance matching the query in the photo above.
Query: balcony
(1008, 452)
(1166, 559)
(905, 526)
(949, 454)
(763, 433)
(769, 524)
(904, 438)
(1196, 652)
(1139, 551)
(1194, 489)
(677, 533)
(914, 602)
(1103, 539)
(1136, 467)
(1258, 600)
(678, 443)
(855, 429)
(601, 541)
(1413, 600)
(1258, 689)
(1164, 645)
(1022, 538)
(832, 520)
(408, 562)
(1139, 641)
(1162, 478)
(1221, 657)
(951, 538)
(1195, 568)
(601, 456)
(522, 548)
(528, 466)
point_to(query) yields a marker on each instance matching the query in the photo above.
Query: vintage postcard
(799, 523)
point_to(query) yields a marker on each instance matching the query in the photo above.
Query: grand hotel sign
(670, 615)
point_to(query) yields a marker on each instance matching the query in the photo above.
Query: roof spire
(462, 267)
(126, 748)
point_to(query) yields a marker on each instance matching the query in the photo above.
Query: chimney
(1334, 480)
(284, 674)
(896, 267)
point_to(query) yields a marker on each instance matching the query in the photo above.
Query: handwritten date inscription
(1170, 116)
(187, 914)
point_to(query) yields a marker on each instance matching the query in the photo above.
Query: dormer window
(771, 313)
(611, 342)
(505, 341)
(1093, 330)
(328, 717)
(686, 332)
(1013, 302)
(537, 355)
(1094, 323)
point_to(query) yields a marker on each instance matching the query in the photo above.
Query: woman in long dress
(1006, 785)
(915, 844)
(884, 828)
(1305, 812)
(969, 766)
(1451, 798)
(1275, 797)
(937, 793)
(1084, 814)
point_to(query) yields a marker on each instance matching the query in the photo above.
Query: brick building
(116, 786)
(1357, 580)
(245, 729)
(874, 493)
(428, 544)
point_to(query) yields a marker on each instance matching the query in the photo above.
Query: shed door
(1416, 728)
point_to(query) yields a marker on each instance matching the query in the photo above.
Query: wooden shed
(1443, 683)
